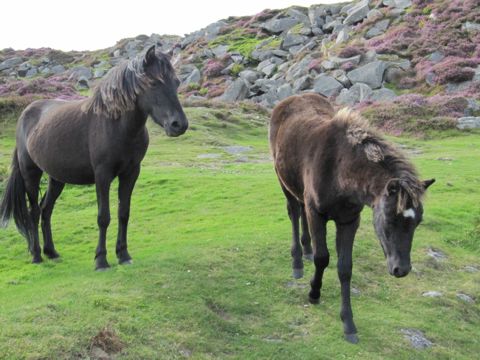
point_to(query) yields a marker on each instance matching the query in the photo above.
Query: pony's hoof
(297, 273)
(126, 262)
(308, 257)
(313, 301)
(37, 259)
(101, 265)
(102, 269)
(351, 338)
(51, 254)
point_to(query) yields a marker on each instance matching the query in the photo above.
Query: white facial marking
(409, 213)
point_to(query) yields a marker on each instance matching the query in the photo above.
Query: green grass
(210, 239)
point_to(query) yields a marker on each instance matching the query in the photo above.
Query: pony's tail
(14, 203)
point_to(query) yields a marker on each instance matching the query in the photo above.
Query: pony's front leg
(125, 187)
(102, 184)
(318, 231)
(344, 242)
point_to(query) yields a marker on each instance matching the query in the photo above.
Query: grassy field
(210, 239)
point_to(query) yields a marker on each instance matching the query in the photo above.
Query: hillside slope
(420, 57)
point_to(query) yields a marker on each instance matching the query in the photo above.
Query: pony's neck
(134, 121)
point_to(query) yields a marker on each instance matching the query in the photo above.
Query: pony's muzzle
(399, 270)
(176, 127)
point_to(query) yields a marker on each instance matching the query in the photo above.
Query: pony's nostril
(175, 124)
(396, 271)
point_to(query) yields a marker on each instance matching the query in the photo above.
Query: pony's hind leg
(32, 175)
(293, 208)
(46, 205)
(306, 240)
(125, 188)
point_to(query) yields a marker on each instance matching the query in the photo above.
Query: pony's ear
(170, 53)
(149, 56)
(393, 187)
(427, 183)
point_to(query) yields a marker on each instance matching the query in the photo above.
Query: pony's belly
(63, 163)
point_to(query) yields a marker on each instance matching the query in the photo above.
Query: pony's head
(397, 213)
(147, 83)
(160, 99)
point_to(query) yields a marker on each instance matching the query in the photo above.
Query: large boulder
(327, 85)
(356, 94)
(194, 77)
(249, 75)
(236, 91)
(382, 95)
(292, 40)
(370, 74)
(80, 71)
(277, 26)
(468, 122)
(357, 12)
(9, 63)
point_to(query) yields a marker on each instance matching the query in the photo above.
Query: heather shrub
(213, 68)
(350, 51)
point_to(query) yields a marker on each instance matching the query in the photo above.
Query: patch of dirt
(217, 309)
(105, 344)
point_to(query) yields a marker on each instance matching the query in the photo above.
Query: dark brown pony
(91, 141)
(330, 165)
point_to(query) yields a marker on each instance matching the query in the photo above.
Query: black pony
(91, 141)
(330, 165)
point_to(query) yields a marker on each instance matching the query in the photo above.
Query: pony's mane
(378, 150)
(117, 92)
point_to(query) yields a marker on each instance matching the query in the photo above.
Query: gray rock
(436, 254)
(194, 77)
(341, 76)
(220, 50)
(432, 294)
(472, 106)
(417, 338)
(284, 91)
(383, 25)
(237, 149)
(10, 63)
(81, 71)
(98, 73)
(468, 122)
(236, 91)
(327, 85)
(277, 26)
(82, 83)
(357, 93)
(300, 16)
(292, 40)
(303, 83)
(470, 26)
(23, 68)
(471, 269)
(342, 36)
(249, 75)
(237, 58)
(369, 56)
(31, 72)
(436, 57)
(372, 32)
(57, 69)
(383, 94)
(357, 12)
(355, 60)
(117, 53)
(374, 14)
(370, 74)
(328, 65)
(329, 26)
(280, 53)
(402, 4)
(212, 30)
(466, 298)
(316, 15)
